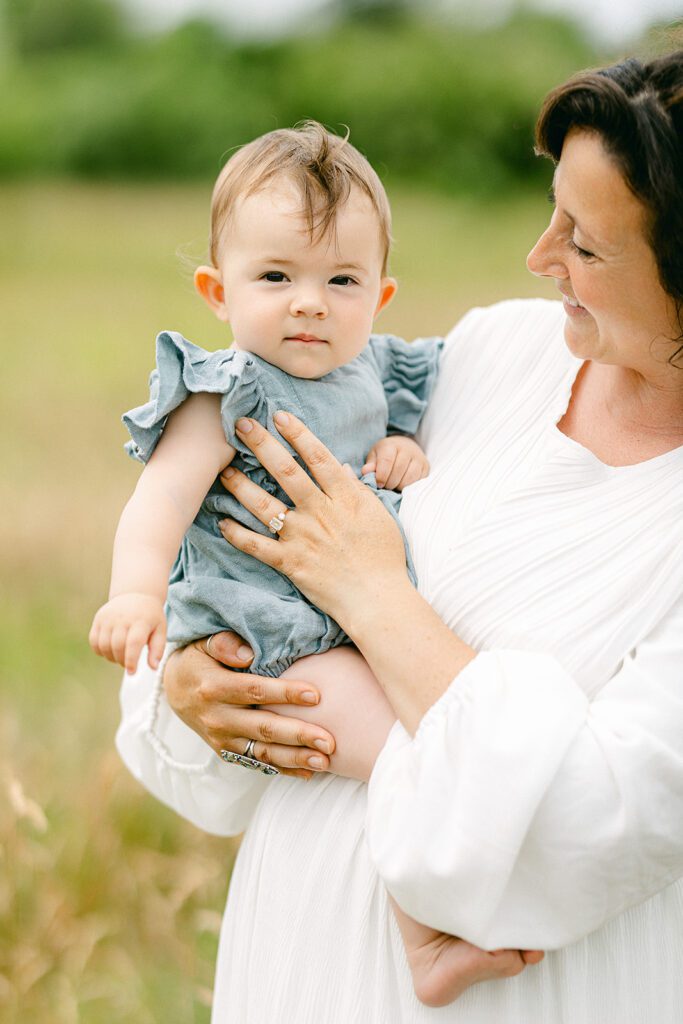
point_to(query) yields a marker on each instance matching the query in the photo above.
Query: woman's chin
(581, 339)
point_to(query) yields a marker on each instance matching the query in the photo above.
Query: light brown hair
(324, 167)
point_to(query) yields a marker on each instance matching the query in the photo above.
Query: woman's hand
(219, 706)
(338, 543)
(342, 548)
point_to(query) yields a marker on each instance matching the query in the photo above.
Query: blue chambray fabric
(214, 586)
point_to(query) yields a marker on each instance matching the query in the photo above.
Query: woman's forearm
(413, 655)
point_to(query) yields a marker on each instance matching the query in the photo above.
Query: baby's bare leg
(354, 709)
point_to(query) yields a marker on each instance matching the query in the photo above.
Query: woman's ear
(387, 289)
(209, 283)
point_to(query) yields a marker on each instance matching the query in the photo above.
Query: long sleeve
(522, 814)
(176, 766)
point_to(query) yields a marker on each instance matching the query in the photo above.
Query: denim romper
(213, 586)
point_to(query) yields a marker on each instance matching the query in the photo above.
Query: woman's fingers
(227, 725)
(219, 706)
(293, 480)
(257, 501)
(281, 755)
(531, 956)
(227, 648)
(241, 688)
(254, 544)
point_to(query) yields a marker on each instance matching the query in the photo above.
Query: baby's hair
(324, 167)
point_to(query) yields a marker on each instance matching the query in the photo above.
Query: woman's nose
(545, 260)
(309, 302)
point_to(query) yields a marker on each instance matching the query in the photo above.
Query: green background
(109, 144)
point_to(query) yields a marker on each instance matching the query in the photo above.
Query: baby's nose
(309, 302)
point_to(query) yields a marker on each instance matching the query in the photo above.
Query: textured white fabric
(540, 803)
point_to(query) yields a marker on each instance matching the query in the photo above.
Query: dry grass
(110, 905)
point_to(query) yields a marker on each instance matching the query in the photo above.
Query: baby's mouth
(307, 339)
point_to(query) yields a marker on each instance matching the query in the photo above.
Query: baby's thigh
(352, 707)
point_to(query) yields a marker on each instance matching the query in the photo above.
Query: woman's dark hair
(637, 109)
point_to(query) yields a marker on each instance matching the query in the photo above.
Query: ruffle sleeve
(408, 372)
(183, 369)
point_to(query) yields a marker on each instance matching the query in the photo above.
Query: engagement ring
(277, 522)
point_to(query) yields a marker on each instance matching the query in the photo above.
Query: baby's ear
(209, 284)
(387, 289)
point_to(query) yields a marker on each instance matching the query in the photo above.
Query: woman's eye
(275, 276)
(342, 279)
(584, 254)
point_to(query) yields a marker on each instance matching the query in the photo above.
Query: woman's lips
(572, 307)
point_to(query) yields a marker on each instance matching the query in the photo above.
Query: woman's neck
(623, 417)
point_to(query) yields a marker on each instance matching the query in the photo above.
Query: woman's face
(596, 250)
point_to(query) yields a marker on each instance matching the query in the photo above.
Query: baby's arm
(396, 461)
(189, 456)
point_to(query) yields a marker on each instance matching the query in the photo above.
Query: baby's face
(306, 307)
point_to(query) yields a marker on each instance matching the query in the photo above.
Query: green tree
(35, 26)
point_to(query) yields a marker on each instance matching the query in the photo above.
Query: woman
(530, 794)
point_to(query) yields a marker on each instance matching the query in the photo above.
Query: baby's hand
(123, 626)
(397, 461)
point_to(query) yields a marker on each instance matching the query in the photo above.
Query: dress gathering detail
(540, 802)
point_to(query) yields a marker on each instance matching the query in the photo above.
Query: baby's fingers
(157, 642)
(385, 465)
(119, 637)
(136, 638)
(370, 462)
(417, 469)
(100, 640)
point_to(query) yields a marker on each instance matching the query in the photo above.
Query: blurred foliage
(436, 102)
(35, 26)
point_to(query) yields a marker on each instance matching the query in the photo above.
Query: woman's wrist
(371, 605)
(413, 654)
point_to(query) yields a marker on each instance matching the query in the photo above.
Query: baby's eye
(343, 279)
(584, 254)
(276, 276)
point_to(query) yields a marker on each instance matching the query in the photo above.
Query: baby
(300, 236)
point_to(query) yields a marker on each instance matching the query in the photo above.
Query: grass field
(109, 905)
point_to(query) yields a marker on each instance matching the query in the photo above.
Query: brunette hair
(637, 109)
(324, 167)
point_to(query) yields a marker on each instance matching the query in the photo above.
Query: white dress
(540, 803)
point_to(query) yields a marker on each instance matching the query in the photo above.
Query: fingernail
(227, 473)
(316, 762)
(244, 426)
(282, 418)
(308, 697)
(322, 745)
(244, 652)
(223, 525)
